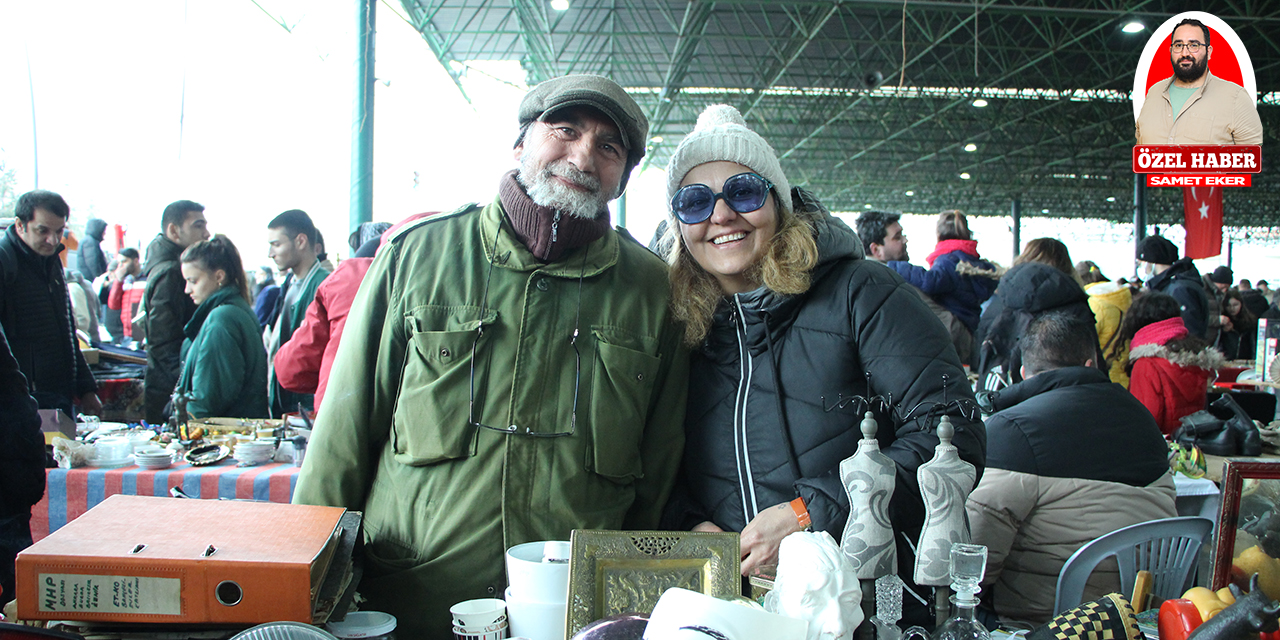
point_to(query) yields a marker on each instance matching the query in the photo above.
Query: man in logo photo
(1193, 106)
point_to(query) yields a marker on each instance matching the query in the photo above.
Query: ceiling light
(866, 206)
(1111, 199)
(560, 5)
(965, 176)
(656, 139)
(1134, 27)
(971, 147)
(980, 103)
(1044, 211)
(911, 193)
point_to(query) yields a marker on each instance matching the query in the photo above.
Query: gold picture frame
(612, 572)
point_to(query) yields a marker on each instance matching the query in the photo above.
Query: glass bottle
(968, 566)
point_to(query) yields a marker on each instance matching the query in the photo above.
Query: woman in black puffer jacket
(789, 324)
(1042, 280)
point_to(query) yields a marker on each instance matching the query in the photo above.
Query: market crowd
(518, 368)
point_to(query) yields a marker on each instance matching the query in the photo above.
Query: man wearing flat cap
(509, 371)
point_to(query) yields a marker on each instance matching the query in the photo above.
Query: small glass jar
(366, 625)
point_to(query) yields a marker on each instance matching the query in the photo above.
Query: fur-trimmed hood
(1208, 358)
(966, 268)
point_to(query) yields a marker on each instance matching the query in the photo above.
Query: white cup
(536, 620)
(464, 633)
(534, 577)
(479, 614)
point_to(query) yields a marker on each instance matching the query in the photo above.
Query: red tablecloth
(71, 492)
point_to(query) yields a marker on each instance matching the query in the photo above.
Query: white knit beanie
(722, 134)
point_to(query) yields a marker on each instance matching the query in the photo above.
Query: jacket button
(542, 285)
(639, 377)
(491, 590)
(444, 353)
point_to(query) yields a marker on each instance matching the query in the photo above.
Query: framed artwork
(612, 572)
(1248, 539)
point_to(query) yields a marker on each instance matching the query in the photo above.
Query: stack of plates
(253, 453)
(110, 452)
(153, 458)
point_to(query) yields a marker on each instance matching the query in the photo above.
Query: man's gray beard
(546, 191)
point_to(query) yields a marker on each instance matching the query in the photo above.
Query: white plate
(111, 464)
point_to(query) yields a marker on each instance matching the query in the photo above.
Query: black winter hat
(1222, 275)
(1157, 250)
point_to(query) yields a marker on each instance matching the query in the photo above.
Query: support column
(1017, 226)
(1139, 215)
(361, 185)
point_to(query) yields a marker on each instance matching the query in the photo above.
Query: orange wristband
(802, 513)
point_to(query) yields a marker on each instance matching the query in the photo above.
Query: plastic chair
(1167, 548)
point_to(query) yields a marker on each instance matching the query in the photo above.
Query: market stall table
(71, 492)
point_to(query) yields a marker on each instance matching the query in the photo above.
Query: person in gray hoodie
(93, 262)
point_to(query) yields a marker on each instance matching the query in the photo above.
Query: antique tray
(234, 425)
(613, 572)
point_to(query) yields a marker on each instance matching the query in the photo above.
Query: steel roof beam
(692, 26)
(536, 35)
(806, 31)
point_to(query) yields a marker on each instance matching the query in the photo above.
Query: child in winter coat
(1169, 369)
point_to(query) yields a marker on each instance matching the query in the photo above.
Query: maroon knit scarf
(533, 223)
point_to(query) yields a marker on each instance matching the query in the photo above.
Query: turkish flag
(1202, 207)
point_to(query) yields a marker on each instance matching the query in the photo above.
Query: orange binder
(169, 560)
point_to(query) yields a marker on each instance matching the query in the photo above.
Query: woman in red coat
(1170, 370)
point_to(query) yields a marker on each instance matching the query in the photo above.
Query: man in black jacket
(167, 305)
(1070, 456)
(21, 465)
(1158, 258)
(35, 309)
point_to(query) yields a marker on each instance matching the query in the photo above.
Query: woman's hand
(761, 537)
(709, 527)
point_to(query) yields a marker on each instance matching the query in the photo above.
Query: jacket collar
(1048, 381)
(1167, 83)
(225, 295)
(510, 253)
(969, 247)
(160, 250)
(1182, 268)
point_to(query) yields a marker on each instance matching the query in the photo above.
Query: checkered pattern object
(1109, 618)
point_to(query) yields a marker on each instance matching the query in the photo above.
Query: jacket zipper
(746, 480)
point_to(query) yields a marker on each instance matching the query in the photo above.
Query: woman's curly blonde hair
(784, 269)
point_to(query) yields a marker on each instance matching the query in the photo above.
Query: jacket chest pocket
(621, 389)
(430, 420)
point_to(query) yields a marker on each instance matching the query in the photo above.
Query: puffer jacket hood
(1117, 294)
(1036, 287)
(95, 228)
